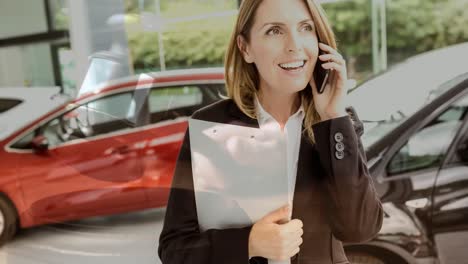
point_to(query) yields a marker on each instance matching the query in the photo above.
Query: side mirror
(462, 151)
(40, 143)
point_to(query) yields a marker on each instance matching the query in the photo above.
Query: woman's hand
(331, 103)
(272, 240)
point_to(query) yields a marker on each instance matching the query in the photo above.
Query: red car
(107, 152)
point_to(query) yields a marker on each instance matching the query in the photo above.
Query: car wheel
(8, 221)
(362, 258)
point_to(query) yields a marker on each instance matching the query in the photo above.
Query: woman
(270, 65)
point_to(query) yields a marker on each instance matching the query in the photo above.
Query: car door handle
(121, 150)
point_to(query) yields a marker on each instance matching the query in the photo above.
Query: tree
(413, 26)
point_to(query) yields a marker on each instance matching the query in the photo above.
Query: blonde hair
(242, 78)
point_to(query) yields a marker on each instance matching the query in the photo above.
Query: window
(59, 14)
(102, 116)
(22, 17)
(427, 148)
(172, 102)
(7, 104)
(24, 143)
(111, 108)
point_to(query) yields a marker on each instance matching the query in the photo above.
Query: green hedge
(413, 27)
(196, 44)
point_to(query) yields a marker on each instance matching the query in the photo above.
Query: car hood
(407, 87)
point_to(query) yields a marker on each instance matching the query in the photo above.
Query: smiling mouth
(291, 66)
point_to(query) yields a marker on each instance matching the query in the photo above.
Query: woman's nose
(294, 43)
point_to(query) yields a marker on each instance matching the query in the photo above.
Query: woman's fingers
(332, 65)
(294, 252)
(328, 49)
(294, 247)
(331, 100)
(332, 58)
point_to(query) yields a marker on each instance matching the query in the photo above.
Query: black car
(417, 151)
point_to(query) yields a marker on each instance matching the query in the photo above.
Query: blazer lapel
(304, 180)
(304, 152)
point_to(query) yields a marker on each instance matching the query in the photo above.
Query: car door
(92, 166)
(169, 110)
(450, 201)
(411, 167)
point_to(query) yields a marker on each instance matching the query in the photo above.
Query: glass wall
(179, 34)
(352, 24)
(13, 14)
(418, 26)
(27, 65)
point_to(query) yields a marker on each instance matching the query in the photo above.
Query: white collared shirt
(291, 135)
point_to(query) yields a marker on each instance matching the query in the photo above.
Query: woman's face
(283, 45)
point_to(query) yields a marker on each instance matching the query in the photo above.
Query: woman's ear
(243, 47)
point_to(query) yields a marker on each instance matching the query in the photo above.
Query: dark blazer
(334, 197)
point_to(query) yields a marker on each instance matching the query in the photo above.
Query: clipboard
(239, 173)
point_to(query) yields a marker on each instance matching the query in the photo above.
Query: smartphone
(321, 75)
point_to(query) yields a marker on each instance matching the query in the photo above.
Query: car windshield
(7, 104)
(396, 95)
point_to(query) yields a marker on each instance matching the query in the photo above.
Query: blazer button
(338, 137)
(339, 146)
(339, 154)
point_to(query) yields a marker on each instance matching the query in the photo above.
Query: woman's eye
(308, 28)
(274, 31)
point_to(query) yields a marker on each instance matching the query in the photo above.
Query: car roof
(35, 102)
(143, 79)
(399, 84)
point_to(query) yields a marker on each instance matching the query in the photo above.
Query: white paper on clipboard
(239, 174)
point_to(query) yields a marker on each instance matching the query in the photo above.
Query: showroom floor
(127, 238)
